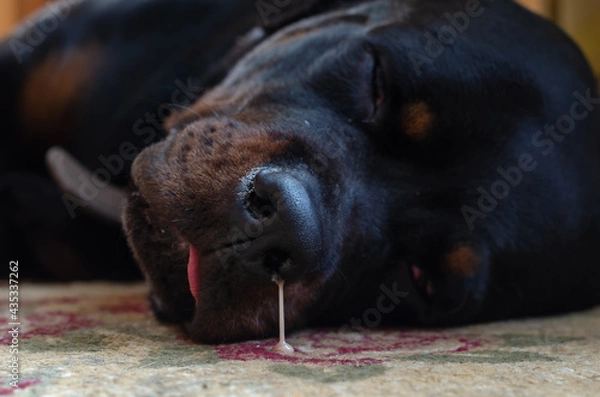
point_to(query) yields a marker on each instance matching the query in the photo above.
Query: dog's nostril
(274, 260)
(271, 192)
(259, 207)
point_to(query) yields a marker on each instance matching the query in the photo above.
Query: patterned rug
(101, 340)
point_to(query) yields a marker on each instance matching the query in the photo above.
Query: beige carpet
(101, 340)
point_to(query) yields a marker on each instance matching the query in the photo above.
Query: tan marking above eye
(416, 120)
(462, 261)
(51, 92)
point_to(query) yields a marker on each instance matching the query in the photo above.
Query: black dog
(394, 161)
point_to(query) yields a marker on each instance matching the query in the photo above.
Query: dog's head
(337, 154)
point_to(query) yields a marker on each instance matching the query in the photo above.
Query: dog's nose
(283, 205)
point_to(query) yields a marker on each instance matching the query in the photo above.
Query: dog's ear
(73, 179)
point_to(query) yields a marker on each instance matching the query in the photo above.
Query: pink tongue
(193, 270)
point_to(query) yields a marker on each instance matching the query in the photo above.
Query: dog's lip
(229, 246)
(198, 258)
(415, 285)
(422, 282)
(193, 272)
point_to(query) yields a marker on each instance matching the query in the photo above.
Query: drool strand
(282, 346)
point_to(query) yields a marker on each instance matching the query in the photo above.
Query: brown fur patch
(51, 94)
(416, 120)
(463, 261)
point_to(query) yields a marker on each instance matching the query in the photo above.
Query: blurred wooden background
(580, 18)
(12, 11)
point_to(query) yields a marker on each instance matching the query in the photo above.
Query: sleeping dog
(427, 163)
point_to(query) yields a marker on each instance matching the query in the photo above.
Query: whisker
(337, 270)
(187, 108)
(217, 115)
